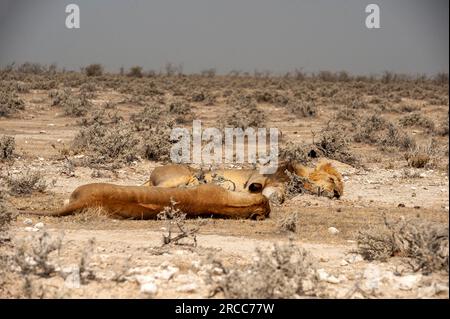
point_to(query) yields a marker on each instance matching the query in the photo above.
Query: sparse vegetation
(7, 146)
(94, 70)
(176, 226)
(424, 243)
(284, 271)
(303, 109)
(26, 183)
(288, 222)
(10, 103)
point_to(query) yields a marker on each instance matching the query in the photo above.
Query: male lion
(324, 179)
(138, 202)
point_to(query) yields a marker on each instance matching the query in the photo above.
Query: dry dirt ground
(128, 259)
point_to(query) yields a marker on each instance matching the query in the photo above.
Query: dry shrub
(426, 155)
(73, 105)
(157, 142)
(88, 90)
(288, 222)
(107, 143)
(149, 117)
(94, 69)
(295, 152)
(334, 144)
(76, 106)
(417, 120)
(424, 243)
(408, 108)
(6, 217)
(303, 109)
(59, 96)
(135, 71)
(33, 256)
(394, 137)
(244, 113)
(181, 111)
(26, 183)
(283, 271)
(7, 146)
(376, 130)
(176, 226)
(442, 129)
(10, 103)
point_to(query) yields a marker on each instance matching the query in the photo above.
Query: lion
(323, 179)
(140, 202)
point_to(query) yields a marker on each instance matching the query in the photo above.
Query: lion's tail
(65, 211)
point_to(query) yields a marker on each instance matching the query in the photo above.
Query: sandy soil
(133, 248)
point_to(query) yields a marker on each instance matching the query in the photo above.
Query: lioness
(324, 179)
(138, 202)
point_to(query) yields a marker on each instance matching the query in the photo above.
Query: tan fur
(324, 179)
(141, 202)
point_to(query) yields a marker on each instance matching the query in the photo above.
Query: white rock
(28, 221)
(324, 276)
(354, 258)
(39, 225)
(343, 263)
(59, 140)
(188, 288)
(42, 132)
(372, 276)
(31, 229)
(167, 274)
(333, 230)
(149, 288)
(144, 279)
(408, 282)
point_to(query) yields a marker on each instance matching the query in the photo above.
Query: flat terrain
(128, 255)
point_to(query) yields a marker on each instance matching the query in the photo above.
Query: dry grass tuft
(288, 222)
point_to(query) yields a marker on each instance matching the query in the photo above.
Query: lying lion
(246, 195)
(324, 179)
(139, 202)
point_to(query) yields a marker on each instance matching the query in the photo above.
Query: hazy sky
(276, 35)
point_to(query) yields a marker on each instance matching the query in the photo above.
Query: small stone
(42, 132)
(401, 205)
(324, 276)
(167, 274)
(39, 225)
(59, 140)
(408, 282)
(28, 221)
(188, 288)
(31, 229)
(333, 230)
(343, 263)
(149, 288)
(144, 279)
